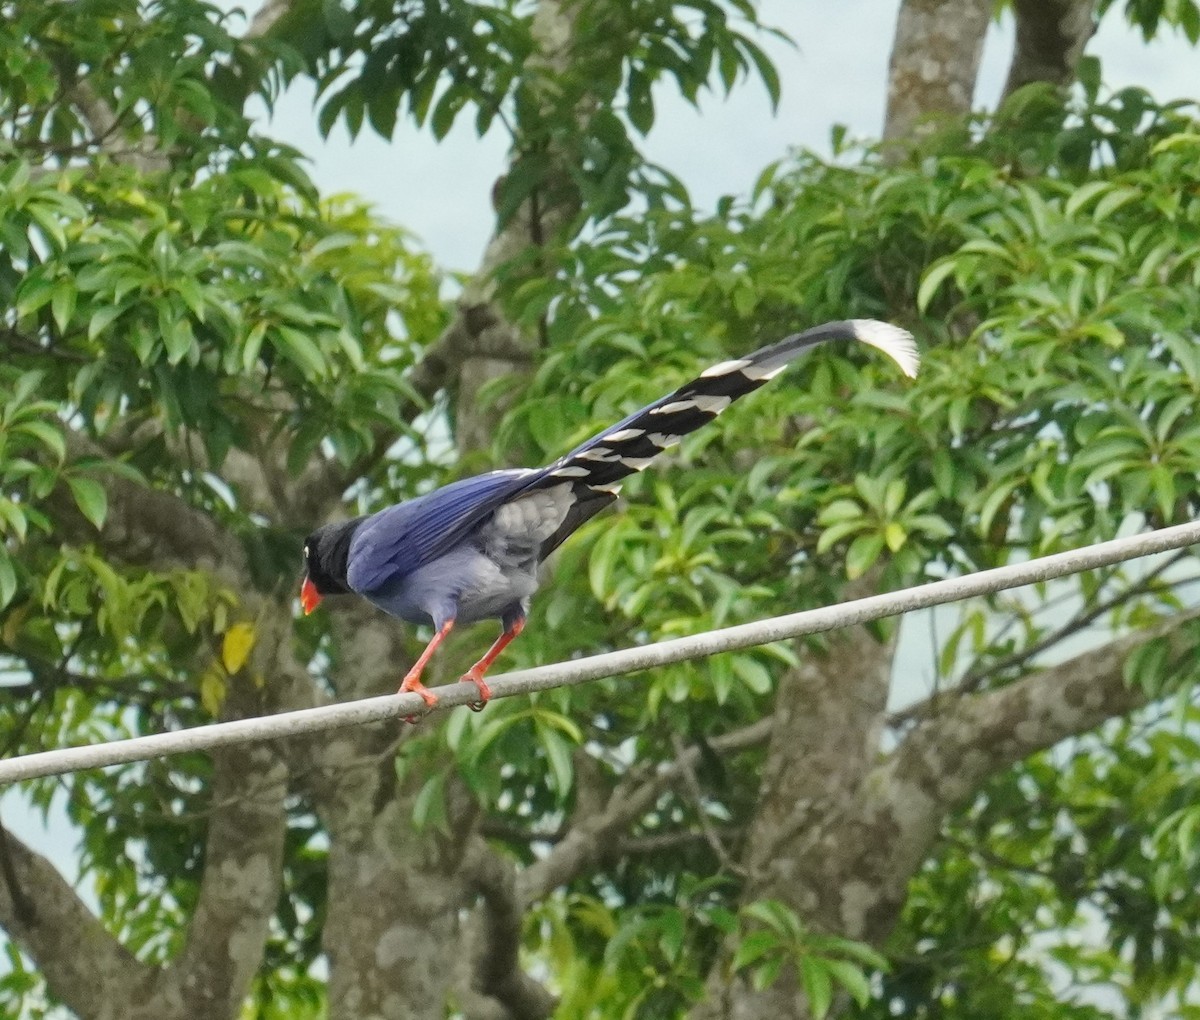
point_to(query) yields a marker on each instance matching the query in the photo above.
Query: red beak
(310, 598)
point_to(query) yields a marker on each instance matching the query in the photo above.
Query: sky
(835, 74)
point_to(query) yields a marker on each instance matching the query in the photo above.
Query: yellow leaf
(235, 648)
(212, 692)
(12, 626)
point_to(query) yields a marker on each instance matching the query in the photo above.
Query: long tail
(631, 443)
(597, 466)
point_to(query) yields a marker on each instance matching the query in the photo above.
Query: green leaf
(942, 468)
(1113, 201)
(8, 578)
(447, 108)
(429, 807)
(754, 947)
(753, 674)
(102, 318)
(932, 280)
(767, 972)
(840, 510)
(1145, 665)
(818, 985)
(852, 979)
(835, 533)
(13, 518)
(62, 306)
(862, 554)
(299, 348)
(178, 339)
(253, 345)
(90, 497)
(996, 501)
(46, 434)
(775, 915)
(1084, 194)
(34, 292)
(640, 105)
(382, 110)
(558, 755)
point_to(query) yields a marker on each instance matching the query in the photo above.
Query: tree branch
(948, 756)
(22, 905)
(495, 940)
(268, 16)
(89, 970)
(146, 157)
(592, 839)
(147, 526)
(978, 676)
(691, 783)
(489, 345)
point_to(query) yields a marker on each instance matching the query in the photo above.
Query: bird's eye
(306, 552)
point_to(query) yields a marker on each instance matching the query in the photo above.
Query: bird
(471, 550)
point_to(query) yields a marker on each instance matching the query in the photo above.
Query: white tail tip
(896, 343)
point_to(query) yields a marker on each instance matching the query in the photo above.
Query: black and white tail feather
(596, 467)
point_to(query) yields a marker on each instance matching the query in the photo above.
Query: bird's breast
(465, 584)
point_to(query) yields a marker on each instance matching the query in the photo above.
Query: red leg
(475, 674)
(412, 680)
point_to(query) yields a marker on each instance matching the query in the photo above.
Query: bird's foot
(474, 675)
(412, 685)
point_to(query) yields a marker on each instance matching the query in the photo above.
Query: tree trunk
(1051, 35)
(828, 720)
(934, 64)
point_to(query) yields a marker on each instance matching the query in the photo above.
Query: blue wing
(396, 541)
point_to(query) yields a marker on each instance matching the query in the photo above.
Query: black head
(326, 551)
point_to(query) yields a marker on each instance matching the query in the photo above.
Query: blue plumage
(397, 541)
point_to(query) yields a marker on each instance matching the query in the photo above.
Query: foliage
(1063, 886)
(575, 111)
(1151, 15)
(824, 961)
(171, 319)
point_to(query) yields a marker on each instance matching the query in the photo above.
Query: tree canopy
(204, 358)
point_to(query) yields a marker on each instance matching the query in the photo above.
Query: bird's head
(326, 552)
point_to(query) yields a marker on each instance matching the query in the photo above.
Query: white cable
(629, 660)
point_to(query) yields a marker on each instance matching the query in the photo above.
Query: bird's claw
(413, 685)
(485, 692)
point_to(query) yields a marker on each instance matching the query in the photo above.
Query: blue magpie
(471, 550)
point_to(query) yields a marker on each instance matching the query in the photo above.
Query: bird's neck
(334, 552)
